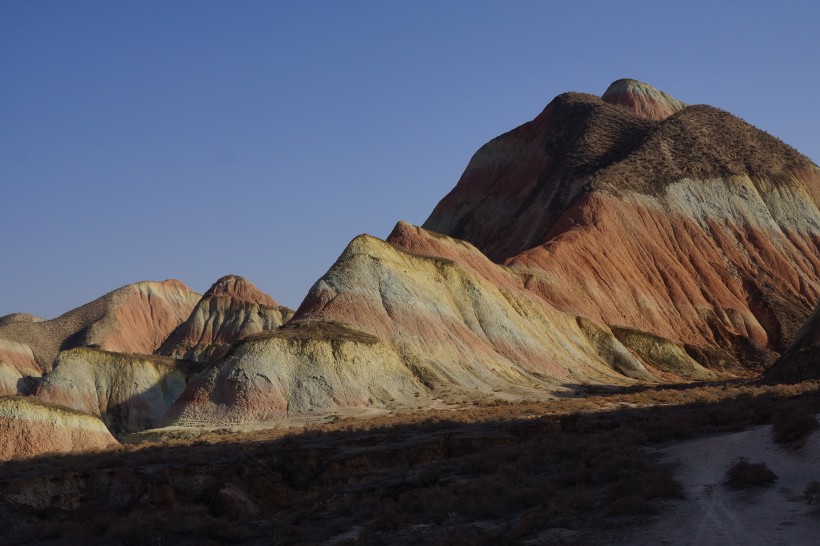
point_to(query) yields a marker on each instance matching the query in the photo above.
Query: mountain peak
(232, 309)
(240, 288)
(642, 99)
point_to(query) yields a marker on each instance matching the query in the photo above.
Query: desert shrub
(743, 474)
(792, 425)
(812, 493)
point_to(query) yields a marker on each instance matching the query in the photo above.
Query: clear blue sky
(191, 139)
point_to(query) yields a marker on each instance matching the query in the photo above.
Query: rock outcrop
(128, 392)
(136, 318)
(802, 360)
(642, 99)
(698, 228)
(19, 317)
(232, 309)
(30, 427)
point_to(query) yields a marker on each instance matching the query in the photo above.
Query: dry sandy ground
(714, 514)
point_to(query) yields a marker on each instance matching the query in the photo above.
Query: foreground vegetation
(494, 473)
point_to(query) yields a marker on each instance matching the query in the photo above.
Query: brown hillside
(133, 319)
(232, 309)
(699, 228)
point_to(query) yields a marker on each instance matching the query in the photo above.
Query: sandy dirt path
(714, 514)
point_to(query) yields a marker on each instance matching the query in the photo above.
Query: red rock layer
(421, 316)
(136, 318)
(239, 288)
(470, 323)
(18, 356)
(232, 309)
(519, 184)
(626, 263)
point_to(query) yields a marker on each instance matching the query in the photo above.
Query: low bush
(743, 474)
(792, 425)
(812, 493)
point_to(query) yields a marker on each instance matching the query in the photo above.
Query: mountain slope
(699, 228)
(136, 318)
(128, 392)
(301, 369)
(232, 309)
(38, 428)
(395, 323)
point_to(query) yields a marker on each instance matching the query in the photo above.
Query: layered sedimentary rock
(614, 240)
(136, 318)
(128, 392)
(444, 322)
(439, 316)
(300, 369)
(463, 320)
(642, 99)
(30, 427)
(232, 309)
(698, 228)
(17, 363)
(802, 359)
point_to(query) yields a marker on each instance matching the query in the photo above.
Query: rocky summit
(642, 99)
(232, 309)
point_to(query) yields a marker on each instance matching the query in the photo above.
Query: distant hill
(136, 318)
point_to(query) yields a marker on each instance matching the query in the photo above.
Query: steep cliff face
(31, 427)
(232, 309)
(136, 318)
(699, 227)
(128, 392)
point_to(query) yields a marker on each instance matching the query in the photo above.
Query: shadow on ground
(548, 478)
